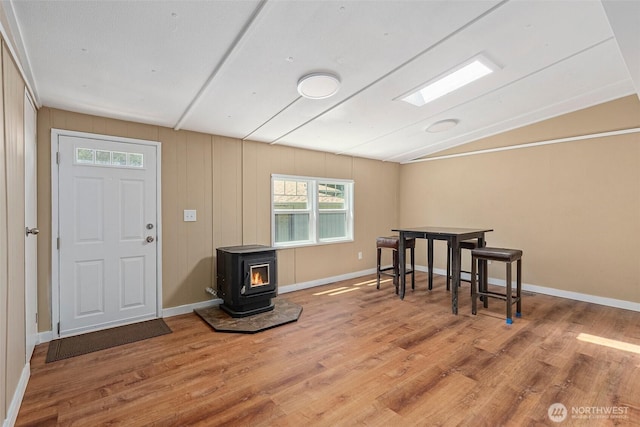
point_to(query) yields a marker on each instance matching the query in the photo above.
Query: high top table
(452, 235)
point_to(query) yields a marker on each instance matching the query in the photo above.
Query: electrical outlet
(189, 215)
(359, 255)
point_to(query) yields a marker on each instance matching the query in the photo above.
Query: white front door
(31, 224)
(107, 215)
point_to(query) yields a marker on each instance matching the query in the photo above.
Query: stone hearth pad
(283, 312)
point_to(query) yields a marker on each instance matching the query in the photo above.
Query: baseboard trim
(576, 296)
(188, 308)
(18, 395)
(45, 336)
(313, 283)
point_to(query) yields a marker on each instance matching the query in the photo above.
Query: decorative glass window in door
(94, 157)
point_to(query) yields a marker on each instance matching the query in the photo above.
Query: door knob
(33, 231)
(150, 239)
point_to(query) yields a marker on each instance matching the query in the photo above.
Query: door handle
(150, 239)
(33, 231)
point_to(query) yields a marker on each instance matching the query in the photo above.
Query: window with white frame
(308, 211)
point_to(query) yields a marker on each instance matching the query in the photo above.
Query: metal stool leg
(509, 295)
(430, 262)
(484, 282)
(519, 288)
(396, 270)
(448, 265)
(413, 268)
(474, 291)
(378, 269)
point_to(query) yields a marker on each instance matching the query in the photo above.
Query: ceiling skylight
(454, 79)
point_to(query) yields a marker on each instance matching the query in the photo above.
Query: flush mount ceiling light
(453, 79)
(318, 85)
(442, 125)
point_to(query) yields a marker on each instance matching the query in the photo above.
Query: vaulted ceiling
(232, 67)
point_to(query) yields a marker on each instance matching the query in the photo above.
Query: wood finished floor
(357, 356)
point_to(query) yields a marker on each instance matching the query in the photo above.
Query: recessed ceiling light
(456, 78)
(442, 125)
(318, 85)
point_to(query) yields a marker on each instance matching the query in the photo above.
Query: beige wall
(228, 182)
(573, 208)
(12, 297)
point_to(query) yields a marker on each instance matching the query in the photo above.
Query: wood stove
(246, 279)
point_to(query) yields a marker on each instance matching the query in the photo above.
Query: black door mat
(100, 340)
(283, 312)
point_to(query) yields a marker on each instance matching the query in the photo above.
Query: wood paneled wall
(228, 182)
(3, 262)
(12, 281)
(187, 183)
(573, 207)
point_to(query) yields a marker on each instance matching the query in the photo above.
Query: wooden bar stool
(497, 254)
(392, 242)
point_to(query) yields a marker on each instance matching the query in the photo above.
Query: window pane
(331, 196)
(134, 159)
(84, 155)
(333, 225)
(290, 195)
(311, 210)
(103, 157)
(119, 159)
(109, 158)
(291, 227)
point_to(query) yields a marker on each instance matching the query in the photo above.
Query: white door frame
(30, 258)
(55, 232)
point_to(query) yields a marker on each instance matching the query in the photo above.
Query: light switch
(189, 215)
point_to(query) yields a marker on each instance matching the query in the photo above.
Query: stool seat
(497, 254)
(393, 242)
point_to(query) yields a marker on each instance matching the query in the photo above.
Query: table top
(442, 231)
